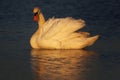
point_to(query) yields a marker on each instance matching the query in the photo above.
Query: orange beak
(36, 18)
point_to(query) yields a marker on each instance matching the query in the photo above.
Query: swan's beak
(36, 18)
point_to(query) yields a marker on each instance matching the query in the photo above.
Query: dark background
(16, 27)
(101, 16)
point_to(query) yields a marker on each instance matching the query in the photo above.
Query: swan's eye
(35, 13)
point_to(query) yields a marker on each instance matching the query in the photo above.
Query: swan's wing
(61, 28)
(61, 34)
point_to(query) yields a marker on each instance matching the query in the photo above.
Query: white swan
(59, 33)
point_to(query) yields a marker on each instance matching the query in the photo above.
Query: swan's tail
(79, 43)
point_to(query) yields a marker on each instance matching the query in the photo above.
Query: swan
(59, 33)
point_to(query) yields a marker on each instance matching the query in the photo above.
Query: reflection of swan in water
(60, 33)
(61, 64)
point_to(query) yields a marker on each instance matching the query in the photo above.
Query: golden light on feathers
(60, 33)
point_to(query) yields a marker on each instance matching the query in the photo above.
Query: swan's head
(36, 12)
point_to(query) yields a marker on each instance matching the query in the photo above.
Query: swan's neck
(41, 20)
(35, 36)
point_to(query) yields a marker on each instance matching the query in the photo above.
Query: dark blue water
(98, 62)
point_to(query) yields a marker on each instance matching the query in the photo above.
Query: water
(63, 64)
(98, 62)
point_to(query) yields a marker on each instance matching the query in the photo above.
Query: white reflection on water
(62, 64)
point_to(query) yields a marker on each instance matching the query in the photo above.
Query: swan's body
(60, 33)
